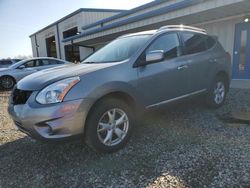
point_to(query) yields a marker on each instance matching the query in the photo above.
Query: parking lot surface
(182, 145)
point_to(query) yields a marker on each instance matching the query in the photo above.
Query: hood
(43, 78)
(4, 69)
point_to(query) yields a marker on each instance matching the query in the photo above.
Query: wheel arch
(224, 75)
(120, 95)
(15, 81)
(7, 75)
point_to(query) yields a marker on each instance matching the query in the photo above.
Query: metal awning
(210, 14)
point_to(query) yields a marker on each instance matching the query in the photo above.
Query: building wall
(33, 46)
(78, 20)
(173, 17)
(41, 41)
(88, 18)
(169, 2)
(224, 29)
(216, 27)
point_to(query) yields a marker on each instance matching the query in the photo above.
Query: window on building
(51, 47)
(72, 53)
(169, 43)
(70, 32)
(195, 43)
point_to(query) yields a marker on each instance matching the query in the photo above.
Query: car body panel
(5, 63)
(148, 85)
(164, 79)
(40, 122)
(17, 73)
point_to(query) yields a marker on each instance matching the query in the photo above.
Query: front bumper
(50, 122)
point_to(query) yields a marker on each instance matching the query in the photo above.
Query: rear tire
(217, 93)
(109, 125)
(7, 82)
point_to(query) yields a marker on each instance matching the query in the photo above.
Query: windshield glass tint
(17, 64)
(118, 50)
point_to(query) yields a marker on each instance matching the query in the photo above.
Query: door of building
(241, 55)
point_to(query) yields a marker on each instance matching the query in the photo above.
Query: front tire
(7, 82)
(217, 94)
(109, 125)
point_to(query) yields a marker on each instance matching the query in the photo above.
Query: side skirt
(176, 99)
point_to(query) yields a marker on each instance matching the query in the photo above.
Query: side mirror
(21, 67)
(154, 56)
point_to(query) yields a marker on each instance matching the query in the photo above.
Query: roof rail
(182, 27)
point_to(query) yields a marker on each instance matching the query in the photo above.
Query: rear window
(196, 43)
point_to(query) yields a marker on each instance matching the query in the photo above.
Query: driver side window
(168, 43)
(30, 64)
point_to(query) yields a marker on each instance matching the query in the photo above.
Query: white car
(11, 75)
(8, 62)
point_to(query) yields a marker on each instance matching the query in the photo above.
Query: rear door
(44, 64)
(49, 63)
(200, 58)
(165, 80)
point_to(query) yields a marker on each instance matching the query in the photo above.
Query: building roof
(125, 13)
(76, 12)
(132, 19)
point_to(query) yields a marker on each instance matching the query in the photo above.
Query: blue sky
(20, 18)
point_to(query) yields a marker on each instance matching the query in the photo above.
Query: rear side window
(44, 62)
(196, 43)
(32, 63)
(169, 43)
(57, 62)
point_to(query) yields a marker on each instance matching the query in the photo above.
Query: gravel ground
(184, 145)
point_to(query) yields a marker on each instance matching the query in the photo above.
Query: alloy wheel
(219, 92)
(113, 127)
(7, 82)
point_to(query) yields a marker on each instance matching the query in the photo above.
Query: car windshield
(118, 50)
(17, 64)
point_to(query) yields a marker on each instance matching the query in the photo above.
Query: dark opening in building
(70, 32)
(51, 47)
(72, 53)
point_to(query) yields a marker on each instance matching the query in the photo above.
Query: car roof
(168, 28)
(35, 58)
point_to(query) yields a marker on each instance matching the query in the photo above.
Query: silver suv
(99, 98)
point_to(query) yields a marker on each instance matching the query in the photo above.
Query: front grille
(20, 96)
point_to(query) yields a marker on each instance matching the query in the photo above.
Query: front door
(241, 57)
(165, 80)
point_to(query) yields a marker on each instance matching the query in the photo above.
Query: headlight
(56, 92)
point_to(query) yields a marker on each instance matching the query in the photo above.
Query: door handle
(213, 60)
(182, 67)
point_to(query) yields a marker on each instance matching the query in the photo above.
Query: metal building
(227, 19)
(48, 41)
